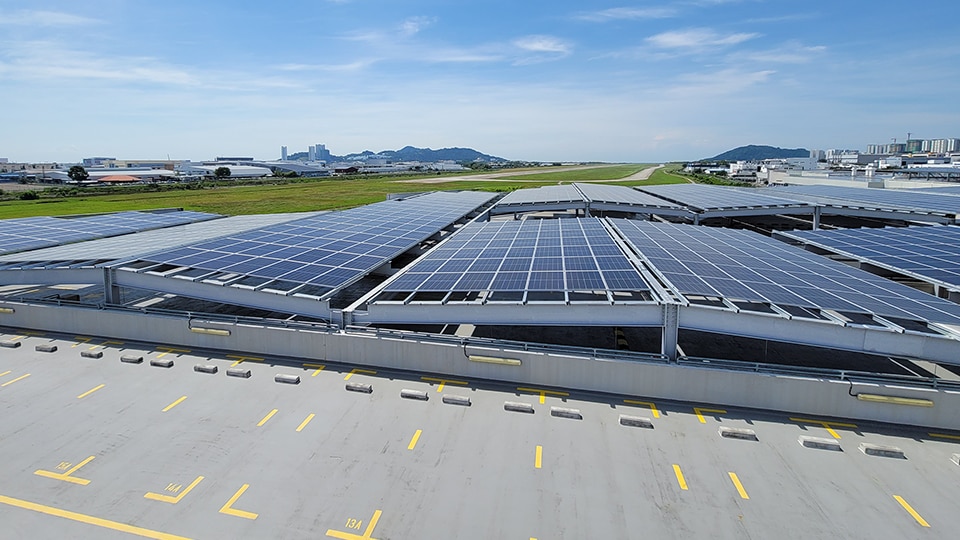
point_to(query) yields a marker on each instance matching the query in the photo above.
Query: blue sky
(540, 80)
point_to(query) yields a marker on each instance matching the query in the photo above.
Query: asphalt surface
(96, 448)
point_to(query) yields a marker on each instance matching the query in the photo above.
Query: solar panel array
(622, 195)
(932, 252)
(946, 190)
(530, 255)
(901, 199)
(742, 265)
(707, 197)
(37, 232)
(545, 194)
(330, 249)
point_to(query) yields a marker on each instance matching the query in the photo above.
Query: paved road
(511, 176)
(96, 448)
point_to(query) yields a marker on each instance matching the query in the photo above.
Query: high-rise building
(312, 153)
(914, 145)
(283, 153)
(322, 153)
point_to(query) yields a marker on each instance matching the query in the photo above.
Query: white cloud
(543, 44)
(789, 53)
(39, 18)
(697, 38)
(414, 25)
(626, 13)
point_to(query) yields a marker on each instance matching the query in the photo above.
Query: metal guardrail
(834, 374)
(509, 345)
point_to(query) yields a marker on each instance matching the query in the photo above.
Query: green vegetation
(612, 172)
(276, 195)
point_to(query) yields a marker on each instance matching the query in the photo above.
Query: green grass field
(325, 194)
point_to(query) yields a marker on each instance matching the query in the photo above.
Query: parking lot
(96, 447)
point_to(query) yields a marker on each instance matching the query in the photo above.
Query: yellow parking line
(937, 435)
(241, 359)
(826, 424)
(443, 382)
(66, 476)
(543, 393)
(20, 378)
(413, 441)
(305, 422)
(363, 371)
(650, 404)
(171, 499)
(5, 373)
(88, 392)
(89, 520)
(538, 460)
(738, 485)
(911, 511)
(174, 404)
(680, 479)
(318, 368)
(168, 350)
(699, 412)
(228, 507)
(267, 417)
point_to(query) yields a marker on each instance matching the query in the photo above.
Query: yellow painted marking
(366, 534)
(66, 476)
(267, 417)
(16, 338)
(105, 343)
(81, 339)
(543, 393)
(538, 460)
(680, 479)
(20, 378)
(911, 511)
(173, 500)
(89, 520)
(738, 485)
(33, 333)
(4, 373)
(827, 425)
(90, 391)
(168, 350)
(413, 441)
(174, 404)
(363, 371)
(650, 404)
(937, 435)
(443, 382)
(241, 359)
(228, 507)
(305, 422)
(319, 368)
(699, 411)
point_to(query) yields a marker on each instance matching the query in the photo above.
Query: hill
(755, 152)
(411, 153)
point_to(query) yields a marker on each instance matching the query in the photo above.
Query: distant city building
(4, 160)
(914, 145)
(311, 153)
(283, 153)
(96, 161)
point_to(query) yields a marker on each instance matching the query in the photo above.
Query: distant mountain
(410, 153)
(755, 152)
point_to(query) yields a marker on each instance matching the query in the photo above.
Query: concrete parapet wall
(793, 394)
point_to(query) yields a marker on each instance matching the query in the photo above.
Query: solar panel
(622, 195)
(768, 271)
(707, 197)
(545, 194)
(39, 232)
(887, 198)
(329, 249)
(556, 255)
(927, 252)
